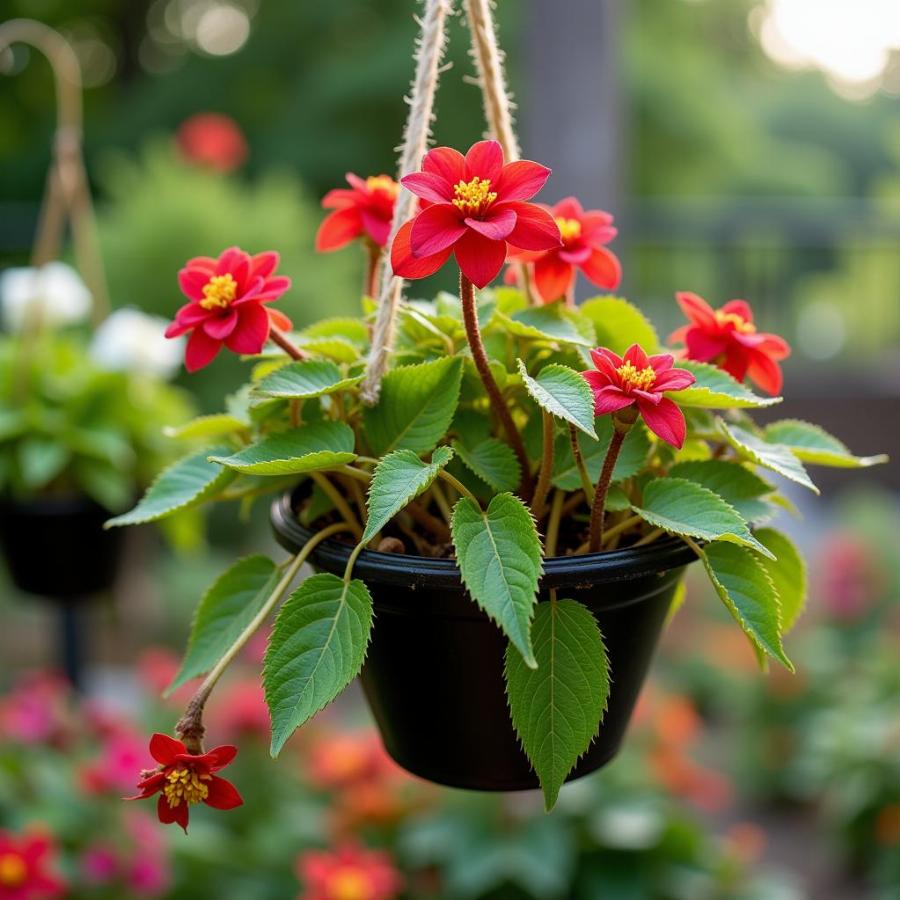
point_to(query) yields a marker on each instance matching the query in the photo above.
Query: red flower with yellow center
(23, 868)
(584, 234)
(227, 304)
(348, 873)
(728, 338)
(365, 210)
(474, 208)
(638, 380)
(182, 779)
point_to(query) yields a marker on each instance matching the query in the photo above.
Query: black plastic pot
(56, 546)
(434, 671)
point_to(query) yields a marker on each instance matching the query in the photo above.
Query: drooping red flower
(183, 778)
(348, 873)
(228, 297)
(640, 380)
(728, 338)
(213, 140)
(24, 864)
(474, 207)
(584, 235)
(365, 210)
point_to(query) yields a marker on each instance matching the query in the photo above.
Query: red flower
(474, 208)
(584, 234)
(640, 380)
(213, 140)
(367, 209)
(349, 873)
(728, 338)
(23, 868)
(183, 778)
(227, 304)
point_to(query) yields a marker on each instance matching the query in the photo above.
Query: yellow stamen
(219, 291)
(569, 229)
(473, 197)
(383, 183)
(349, 884)
(739, 322)
(185, 784)
(632, 377)
(13, 870)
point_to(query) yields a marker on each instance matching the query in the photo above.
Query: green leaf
(398, 478)
(812, 444)
(733, 482)
(632, 456)
(556, 708)
(493, 462)
(336, 348)
(41, 460)
(683, 507)
(226, 609)
(716, 389)
(550, 322)
(309, 448)
(305, 379)
(563, 393)
(618, 324)
(185, 483)
(317, 648)
(354, 330)
(788, 574)
(499, 556)
(743, 584)
(212, 426)
(416, 406)
(770, 456)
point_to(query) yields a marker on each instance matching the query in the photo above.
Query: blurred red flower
(348, 873)
(183, 778)
(228, 297)
(640, 380)
(474, 208)
(238, 709)
(36, 710)
(212, 139)
(365, 210)
(121, 754)
(728, 338)
(584, 235)
(342, 760)
(24, 862)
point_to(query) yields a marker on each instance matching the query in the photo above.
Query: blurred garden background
(747, 148)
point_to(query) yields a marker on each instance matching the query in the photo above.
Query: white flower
(54, 294)
(131, 341)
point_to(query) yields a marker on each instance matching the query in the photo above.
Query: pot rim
(559, 571)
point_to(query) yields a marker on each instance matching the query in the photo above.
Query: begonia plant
(511, 427)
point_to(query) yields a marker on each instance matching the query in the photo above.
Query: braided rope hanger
(497, 108)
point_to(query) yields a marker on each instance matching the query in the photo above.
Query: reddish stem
(279, 337)
(498, 404)
(373, 268)
(620, 429)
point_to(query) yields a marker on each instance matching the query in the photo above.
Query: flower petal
(252, 330)
(338, 229)
(219, 327)
(703, 346)
(636, 356)
(222, 794)
(219, 757)
(192, 281)
(535, 228)
(766, 373)
(609, 400)
(340, 198)
(602, 268)
(603, 357)
(147, 787)
(169, 814)
(575, 253)
(739, 308)
(552, 276)
(674, 380)
(435, 229)
(270, 289)
(484, 160)
(568, 208)
(200, 351)
(665, 420)
(479, 258)
(428, 186)
(376, 227)
(520, 180)
(696, 309)
(404, 264)
(236, 262)
(496, 226)
(450, 164)
(280, 320)
(164, 748)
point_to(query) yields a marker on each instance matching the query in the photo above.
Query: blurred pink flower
(213, 140)
(100, 864)
(35, 710)
(155, 669)
(348, 873)
(121, 755)
(848, 576)
(239, 709)
(24, 867)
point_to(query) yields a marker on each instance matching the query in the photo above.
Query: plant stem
(458, 486)
(577, 455)
(622, 526)
(556, 508)
(340, 503)
(373, 267)
(498, 404)
(538, 504)
(612, 454)
(649, 538)
(441, 500)
(277, 336)
(190, 726)
(352, 472)
(435, 525)
(348, 571)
